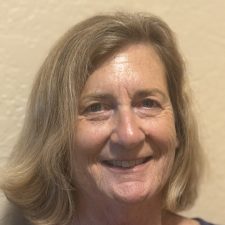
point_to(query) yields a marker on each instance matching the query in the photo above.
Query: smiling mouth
(125, 164)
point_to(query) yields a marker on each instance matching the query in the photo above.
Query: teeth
(125, 163)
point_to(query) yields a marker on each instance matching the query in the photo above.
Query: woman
(109, 136)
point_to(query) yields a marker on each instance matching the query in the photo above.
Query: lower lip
(137, 168)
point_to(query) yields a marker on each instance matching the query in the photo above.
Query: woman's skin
(125, 142)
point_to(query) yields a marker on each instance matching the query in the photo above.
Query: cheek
(89, 138)
(161, 132)
(162, 138)
(89, 143)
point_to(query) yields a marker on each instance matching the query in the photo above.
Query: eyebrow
(151, 92)
(97, 96)
(139, 94)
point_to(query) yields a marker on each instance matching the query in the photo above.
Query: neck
(120, 213)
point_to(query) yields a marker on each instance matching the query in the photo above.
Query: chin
(131, 192)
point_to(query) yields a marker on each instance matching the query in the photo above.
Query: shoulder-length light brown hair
(39, 180)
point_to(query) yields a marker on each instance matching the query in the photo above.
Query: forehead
(131, 67)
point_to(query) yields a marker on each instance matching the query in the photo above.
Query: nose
(127, 132)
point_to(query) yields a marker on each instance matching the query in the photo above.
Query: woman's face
(125, 134)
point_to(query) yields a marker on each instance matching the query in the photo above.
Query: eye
(150, 103)
(95, 107)
(96, 111)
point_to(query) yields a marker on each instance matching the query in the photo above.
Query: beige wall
(28, 28)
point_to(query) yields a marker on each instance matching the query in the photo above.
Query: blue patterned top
(203, 222)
